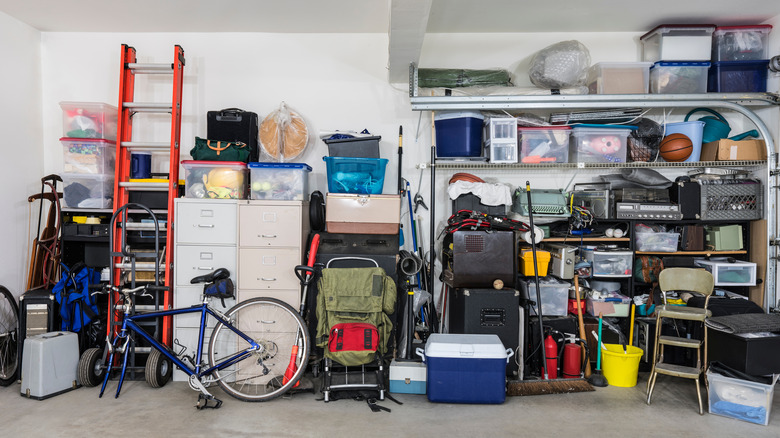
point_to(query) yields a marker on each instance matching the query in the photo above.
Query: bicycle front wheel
(284, 344)
(9, 324)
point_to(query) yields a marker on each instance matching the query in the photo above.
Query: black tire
(91, 369)
(277, 327)
(158, 369)
(9, 326)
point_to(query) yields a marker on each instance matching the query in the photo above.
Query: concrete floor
(168, 412)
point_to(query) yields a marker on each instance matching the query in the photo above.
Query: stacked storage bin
(739, 59)
(89, 153)
(680, 55)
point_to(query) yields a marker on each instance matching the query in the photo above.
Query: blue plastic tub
(458, 134)
(363, 176)
(737, 76)
(694, 130)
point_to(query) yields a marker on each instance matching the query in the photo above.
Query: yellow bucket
(619, 367)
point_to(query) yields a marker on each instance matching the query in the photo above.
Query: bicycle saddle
(219, 274)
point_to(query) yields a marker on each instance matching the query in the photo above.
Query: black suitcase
(37, 315)
(233, 124)
(382, 248)
(488, 312)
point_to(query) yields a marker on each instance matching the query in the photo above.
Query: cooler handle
(509, 353)
(420, 352)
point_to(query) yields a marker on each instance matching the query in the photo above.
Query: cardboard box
(730, 150)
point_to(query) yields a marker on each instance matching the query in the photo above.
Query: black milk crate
(732, 200)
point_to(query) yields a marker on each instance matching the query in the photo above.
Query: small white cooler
(466, 368)
(49, 364)
(407, 377)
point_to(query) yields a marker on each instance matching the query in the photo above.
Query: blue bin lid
(681, 64)
(301, 166)
(758, 64)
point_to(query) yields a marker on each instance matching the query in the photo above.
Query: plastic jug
(716, 127)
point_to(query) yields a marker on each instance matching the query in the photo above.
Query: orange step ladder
(124, 268)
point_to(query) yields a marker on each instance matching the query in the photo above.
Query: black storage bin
(749, 353)
(488, 311)
(470, 201)
(356, 147)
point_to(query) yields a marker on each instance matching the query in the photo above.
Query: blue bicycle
(257, 350)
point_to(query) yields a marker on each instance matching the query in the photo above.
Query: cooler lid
(447, 115)
(301, 166)
(465, 346)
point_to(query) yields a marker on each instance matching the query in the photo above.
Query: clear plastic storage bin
(737, 273)
(89, 120)
(549, 144)
(740, 399)
(657, 242)
(610, 263)
(555, 295)
(618, 77)
(362, 176)
(84, 190)
(740, 43)
(214, 179)
(95, 156)
(599, 144)
(282, 181)
(678, 77)
(678, 42)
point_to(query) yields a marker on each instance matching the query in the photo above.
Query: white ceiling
(373, 16)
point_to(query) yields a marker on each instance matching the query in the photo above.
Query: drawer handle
(206, 225)
(205, 268)
(268, 278)
(268, 236)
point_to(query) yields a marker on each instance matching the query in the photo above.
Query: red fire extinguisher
(572, 359)
(551, 351)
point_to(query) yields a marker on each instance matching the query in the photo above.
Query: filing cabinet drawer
(291, 296)
(188, 337)
(191, 295)
(193, 260)
(270, 225)
(206, 222)
(262, 268)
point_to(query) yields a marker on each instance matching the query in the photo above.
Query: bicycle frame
(129, 324)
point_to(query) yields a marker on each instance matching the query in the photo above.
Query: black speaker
(487, 311)
(478, 258)
(687, 194)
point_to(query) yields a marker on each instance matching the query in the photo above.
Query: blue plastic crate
(364, 176)
(737, 76)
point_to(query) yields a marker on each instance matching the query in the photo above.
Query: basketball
(676, 147)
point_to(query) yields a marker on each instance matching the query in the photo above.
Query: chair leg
(698, 394)
(651, 385)
(655, 357)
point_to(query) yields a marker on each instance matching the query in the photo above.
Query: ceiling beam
(408, 23)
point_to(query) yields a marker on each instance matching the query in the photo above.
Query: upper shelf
(474, 165)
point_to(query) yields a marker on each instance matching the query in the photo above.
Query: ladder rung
(147, 308)
(148, 107)
(146, 186)
(139, 68)
(142, 226)
(145, 145)
(139, 266)
(679, 342)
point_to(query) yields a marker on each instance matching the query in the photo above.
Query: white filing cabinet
(205, 240)
(271, 239)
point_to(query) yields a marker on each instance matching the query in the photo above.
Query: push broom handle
(581, 322)
(536, 280)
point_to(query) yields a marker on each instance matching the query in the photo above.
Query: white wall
(22, 151)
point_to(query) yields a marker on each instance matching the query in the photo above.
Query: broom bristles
(543, 387)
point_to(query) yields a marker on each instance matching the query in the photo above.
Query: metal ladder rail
(122, 186)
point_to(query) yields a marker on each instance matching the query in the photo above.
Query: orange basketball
(676, 147)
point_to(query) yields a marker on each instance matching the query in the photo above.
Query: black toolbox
(233, 124)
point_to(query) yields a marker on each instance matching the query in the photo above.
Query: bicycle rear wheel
(279, 330)
(9, 325)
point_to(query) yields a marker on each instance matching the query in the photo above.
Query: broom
(546, 386)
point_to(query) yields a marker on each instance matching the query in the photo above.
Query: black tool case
(233, 124)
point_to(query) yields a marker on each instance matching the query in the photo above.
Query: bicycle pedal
(205, 399)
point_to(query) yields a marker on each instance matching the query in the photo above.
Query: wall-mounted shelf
(586, 239)
(453, 165)
(689, 253)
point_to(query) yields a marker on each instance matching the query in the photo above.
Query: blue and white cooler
(466, 368)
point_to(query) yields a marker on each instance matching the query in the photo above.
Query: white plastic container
(89, 120)
(214, 179)
(599, 144)
(740, 43)
(738, 273)
(85, 190)
(679, 77)
(740, 399)
(657, 242)
(82, 155)
(619, 77)
(678, 42)
(501, 139)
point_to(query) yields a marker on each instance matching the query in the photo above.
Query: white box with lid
(89, 120)
(678, 42)
(735, 273)
(619, 77)
(740, 43)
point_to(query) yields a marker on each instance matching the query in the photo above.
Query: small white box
(610, 263)
(738, 273)
(501, 139)
(49, 364)
(407, 377)
(741, 399)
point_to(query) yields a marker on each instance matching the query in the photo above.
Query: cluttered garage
(437, 213)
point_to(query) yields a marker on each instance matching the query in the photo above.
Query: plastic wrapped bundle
(454, 78)
(561, 65)
(283, 134)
